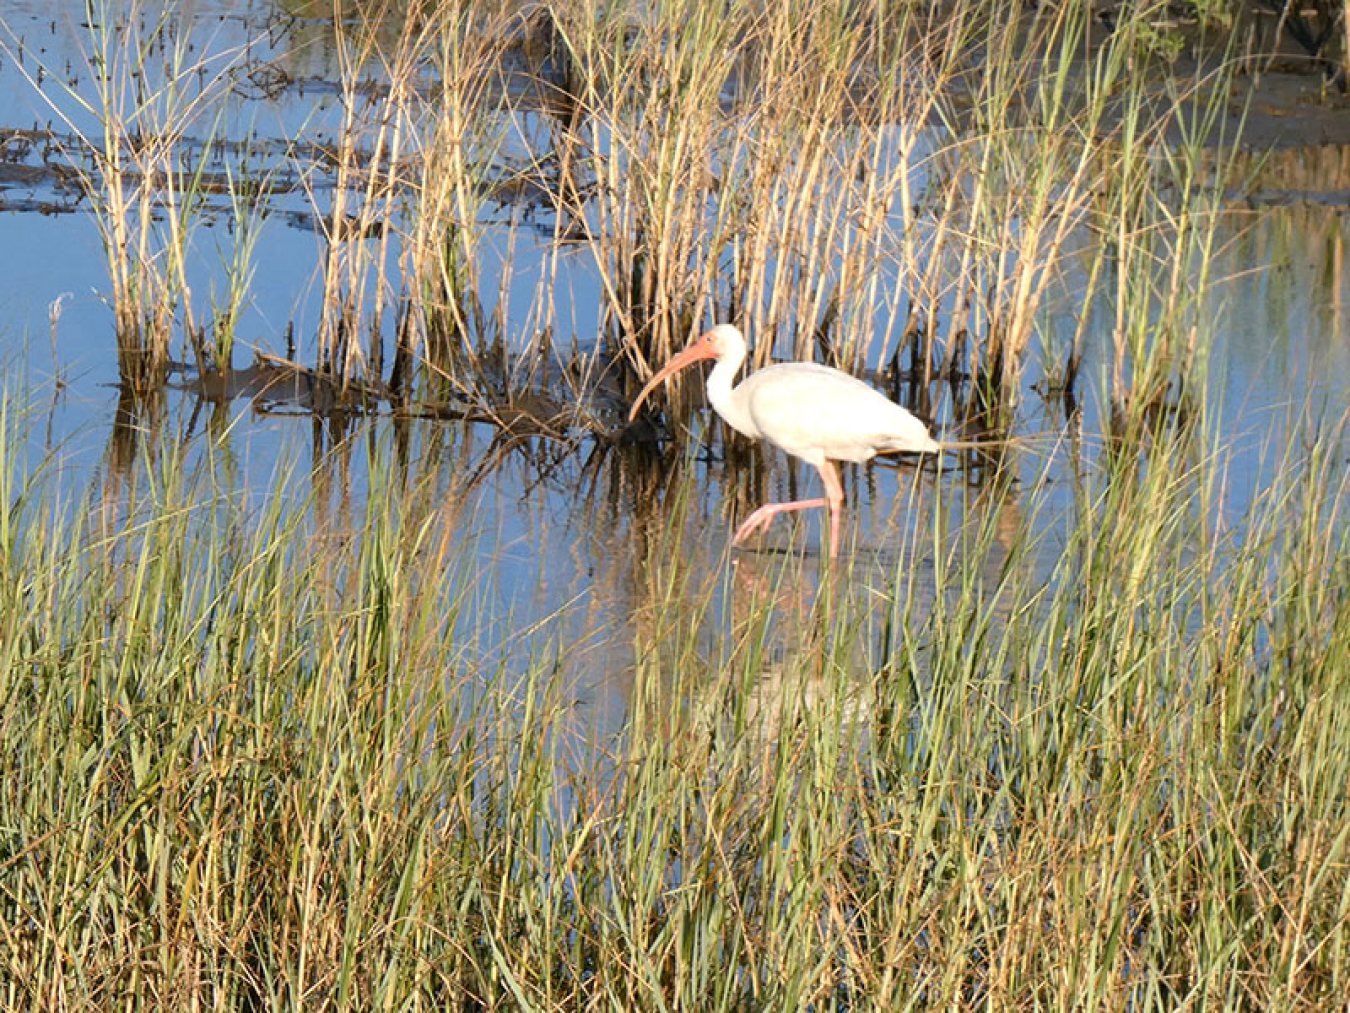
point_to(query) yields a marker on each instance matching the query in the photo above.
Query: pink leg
(761, 517)
(834, 492)
(834, 498)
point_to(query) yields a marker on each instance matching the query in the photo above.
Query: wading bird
(813, 412)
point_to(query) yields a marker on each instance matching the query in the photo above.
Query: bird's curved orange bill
(696, 352)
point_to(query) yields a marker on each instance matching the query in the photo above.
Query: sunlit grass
(260, 753)
(250, 758)
(886, 183)
(138, 112)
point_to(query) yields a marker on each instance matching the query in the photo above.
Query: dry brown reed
(867, 184)
(129, 114)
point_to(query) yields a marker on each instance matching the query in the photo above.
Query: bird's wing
(814, 411)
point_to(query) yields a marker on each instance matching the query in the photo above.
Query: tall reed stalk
(463, 129)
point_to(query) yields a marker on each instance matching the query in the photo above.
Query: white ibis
(813, 412)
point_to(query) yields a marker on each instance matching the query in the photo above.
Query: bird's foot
(761, 517)
(757, 521)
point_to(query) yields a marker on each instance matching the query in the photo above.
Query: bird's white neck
(722, 394)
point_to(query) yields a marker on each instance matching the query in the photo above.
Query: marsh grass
(140, 109)
(256, 754)
(269, 753)
(853, 188)
(904, 187)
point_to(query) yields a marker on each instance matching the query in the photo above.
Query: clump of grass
(463, 124)
(412, 165)
(132, 110)
(907, 186)
(363, 168)
(858, 187)
(254, 755)
(246, 192)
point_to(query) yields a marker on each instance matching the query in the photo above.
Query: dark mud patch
(571, 402)
(1287, 110)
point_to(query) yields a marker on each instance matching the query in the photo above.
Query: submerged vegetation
(1081, 741)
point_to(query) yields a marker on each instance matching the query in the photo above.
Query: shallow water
(562, 531)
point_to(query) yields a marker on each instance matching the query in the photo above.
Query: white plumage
(811, 411)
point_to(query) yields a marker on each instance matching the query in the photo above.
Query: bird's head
(722, 342)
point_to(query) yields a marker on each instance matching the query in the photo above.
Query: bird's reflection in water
(791, 643)
(804, 654)
(821, 636)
